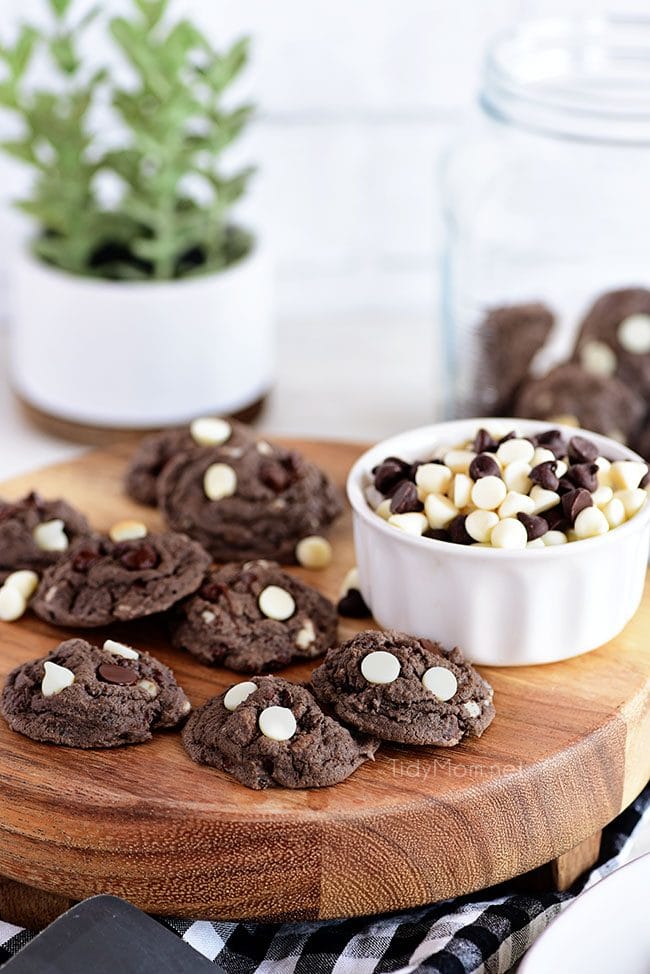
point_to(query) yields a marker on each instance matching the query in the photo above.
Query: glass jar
(547, 206)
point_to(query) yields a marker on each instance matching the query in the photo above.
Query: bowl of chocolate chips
(518, 541)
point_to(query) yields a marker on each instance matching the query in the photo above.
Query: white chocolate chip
(633, 500)
(627, 474)
(208, 616)
(480, 524)
(306, 636)
(590, 523)
(516, 449)
(459, 461)
(276, 603)
(238, 693)
(120, 649)
(543, 499)
(560, 468)
(314, 552)
(373, 496)
(614, 511)
(127, 531)
(149, 687)
(12, 603)
(462, 490)
(277, 723)
(412, 523)
(264, 448)
(210, 430)
(597, 358)
(51, 536)
(351, 580)
(488, 493)
(441, 682)
(634, 334)
(536, 543)
(432, 478)
(515, 476)
(187, 706)
(542, 455)
(219, 481)
(509, 533)
(56, 679)
(472, 709)
(380, 667)
(383, 509)
(552, 538)
(439, 510)
(51, 592)
(24, 580)
(602, 496)
(516, 503)
(604, 475)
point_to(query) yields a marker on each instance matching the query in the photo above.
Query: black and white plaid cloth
(485, 933)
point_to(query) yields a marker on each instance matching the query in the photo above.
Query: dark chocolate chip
(212, 591)
(484, 466)
(405, 499)
(584, 475)
(390, 473)
(509, 436)
(85, 559)
(535, 526)
(119, 675)
(556, 519)
(575, 502)
(457, 532)
(582, 450)
(645, 481)
(352, 605)
(565, 486)
(483, 442)
(552, 440)
(137, 558)
(274, 476)
(413, 469)
(544, 474)
(437, 534)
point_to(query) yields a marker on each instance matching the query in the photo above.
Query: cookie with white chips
(35, 532)
(90, 697)
(253, 618)
(614, 338)
(399, 688)
(267, 732)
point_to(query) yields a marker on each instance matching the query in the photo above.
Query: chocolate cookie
(84, 696)
(614, 338)
(100, 581)
(153, 452)
(254, 617)
(598, 402)
(398, 688)
(257, 505)
(511, 336)
(35, 533)
(269, 732)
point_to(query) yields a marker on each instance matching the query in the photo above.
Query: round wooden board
(569, 748)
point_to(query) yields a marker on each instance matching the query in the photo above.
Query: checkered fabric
(485, 933)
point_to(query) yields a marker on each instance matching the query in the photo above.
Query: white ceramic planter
(502, 607)
(131, 354)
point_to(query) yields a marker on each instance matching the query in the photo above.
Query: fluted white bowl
(501, 607)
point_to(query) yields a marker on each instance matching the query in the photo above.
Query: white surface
(494, 603)
(142, 354)
(604, 930)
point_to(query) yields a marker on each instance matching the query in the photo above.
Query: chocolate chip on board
(352, 605)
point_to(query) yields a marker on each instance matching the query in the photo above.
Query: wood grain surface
(568, 749)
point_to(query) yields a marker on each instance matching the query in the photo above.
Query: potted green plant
(138, 301)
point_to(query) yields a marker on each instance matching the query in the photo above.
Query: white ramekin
(501, 607)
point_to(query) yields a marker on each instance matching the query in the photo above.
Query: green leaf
(152, 10)
(20, 149)
(64, 55)
(60, 7)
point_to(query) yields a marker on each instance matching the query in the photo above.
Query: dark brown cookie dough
(279, 498)
(605, 323)
(225, 623)
(156, 450)
(403, 710)
(511, 336)
(101, 581)
(320, 752)
(18, 519)
(599, 403)
(112, 700)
